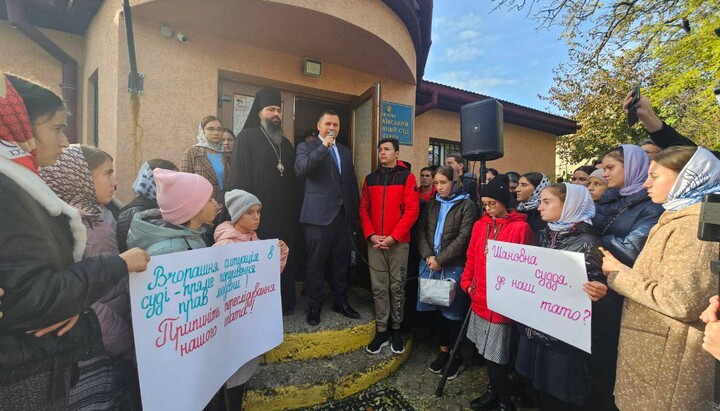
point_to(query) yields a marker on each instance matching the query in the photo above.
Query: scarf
(204, 142)
(534, 201)
(144, 184)
(700, 176)
(71, 179)
(578, 208)
(16, 137)
(445, 205)
(636, 169)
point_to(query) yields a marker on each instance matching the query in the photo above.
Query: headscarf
(71, 179)
(599, 174)
(534, 201)
(636, 165)
(16, 137)
(700, 176)
(144, 184)
(204, 142)
(578, 208)
(266, 97)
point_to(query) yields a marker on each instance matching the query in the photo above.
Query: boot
(485, 401)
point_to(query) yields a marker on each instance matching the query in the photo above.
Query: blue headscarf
(578, 208)
(144, 184)
(700, 176)
(636, 165)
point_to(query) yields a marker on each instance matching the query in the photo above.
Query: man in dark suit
(329, 214)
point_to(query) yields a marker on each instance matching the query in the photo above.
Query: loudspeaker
(481, 130)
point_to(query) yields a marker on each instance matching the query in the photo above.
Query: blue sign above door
(397, 122)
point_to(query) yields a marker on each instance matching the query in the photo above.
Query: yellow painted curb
(305, 346)
(299, 396)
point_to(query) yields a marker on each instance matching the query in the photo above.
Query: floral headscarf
(534, 201)
(16, 138)
(144, 184)
(578, 208)
(700, 176)
(71, 179)
(204, 142)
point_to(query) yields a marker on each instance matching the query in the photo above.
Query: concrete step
(298, 384)
(335, 335)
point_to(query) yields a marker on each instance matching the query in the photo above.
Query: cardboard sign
(200, 315)
(541, 288)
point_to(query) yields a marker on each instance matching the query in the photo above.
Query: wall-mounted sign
(397, 122)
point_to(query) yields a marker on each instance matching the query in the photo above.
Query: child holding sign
(489, 330)
(558, 370)
(244, 210)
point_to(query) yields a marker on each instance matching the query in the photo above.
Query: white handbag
(439, 291)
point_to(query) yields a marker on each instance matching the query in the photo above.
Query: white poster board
(541, 288)
(200, 315)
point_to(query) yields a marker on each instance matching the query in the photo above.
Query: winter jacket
(512, 229)
(470, 184)
(113, 308)
(139, 204)
(225, 233)
(534, 219)
(389, 203)
(455, 235)
(625, 222)
(41, 239)
(661, 363)
(149, 232)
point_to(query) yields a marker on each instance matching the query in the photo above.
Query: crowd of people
(68, 246)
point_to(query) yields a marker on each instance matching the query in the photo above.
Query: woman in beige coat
(661, 363)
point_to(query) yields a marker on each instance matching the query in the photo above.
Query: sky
(498, 53)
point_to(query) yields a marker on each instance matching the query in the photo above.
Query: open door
(365, 112)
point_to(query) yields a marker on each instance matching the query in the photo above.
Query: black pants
(330, 243)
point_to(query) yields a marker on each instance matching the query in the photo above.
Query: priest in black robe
(262, 164)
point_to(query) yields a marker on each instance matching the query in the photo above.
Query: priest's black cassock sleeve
(254, 169)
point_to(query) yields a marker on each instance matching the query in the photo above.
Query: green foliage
(615, 45)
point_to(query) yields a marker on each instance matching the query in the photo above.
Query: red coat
(513, 229)
(389, 203)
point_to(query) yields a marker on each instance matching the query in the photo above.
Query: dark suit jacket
(326, 189)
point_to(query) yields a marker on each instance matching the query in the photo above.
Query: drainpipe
(16, 17)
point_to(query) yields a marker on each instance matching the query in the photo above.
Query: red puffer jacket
(389, 204)
(511, 229)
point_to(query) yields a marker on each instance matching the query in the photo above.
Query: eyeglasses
(215, 130)
(489, 204)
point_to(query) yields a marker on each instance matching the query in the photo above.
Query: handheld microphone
(331, 133)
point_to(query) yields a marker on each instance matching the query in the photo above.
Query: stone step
(298, 384)
(335, 335)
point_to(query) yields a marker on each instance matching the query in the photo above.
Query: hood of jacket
(148, 228)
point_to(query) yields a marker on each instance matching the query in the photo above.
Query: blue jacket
(624, 223)
(149, 232)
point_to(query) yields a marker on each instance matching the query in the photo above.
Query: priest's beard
(273, 130)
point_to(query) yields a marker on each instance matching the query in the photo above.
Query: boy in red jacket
(389, 206)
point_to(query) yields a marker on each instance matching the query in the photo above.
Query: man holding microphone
(329, 214)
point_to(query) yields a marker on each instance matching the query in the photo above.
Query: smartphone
(632, 108)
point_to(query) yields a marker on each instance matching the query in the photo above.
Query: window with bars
(439, 149)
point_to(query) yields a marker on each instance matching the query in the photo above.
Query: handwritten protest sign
(199, 315)
(541, 288)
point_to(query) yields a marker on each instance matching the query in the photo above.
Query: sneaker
(456, 367)
(437, 365)
(380, 340)
(397, 346)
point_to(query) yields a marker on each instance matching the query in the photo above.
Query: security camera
(182, 37)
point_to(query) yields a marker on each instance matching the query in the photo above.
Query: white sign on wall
(541, 288)
(200, 315)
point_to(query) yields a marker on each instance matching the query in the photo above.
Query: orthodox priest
(262, 163)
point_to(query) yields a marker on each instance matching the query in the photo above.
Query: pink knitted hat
(181, 196)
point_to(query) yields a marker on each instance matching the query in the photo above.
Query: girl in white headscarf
(661, 363)
(558, 370)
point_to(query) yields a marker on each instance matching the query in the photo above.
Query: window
(439, 149)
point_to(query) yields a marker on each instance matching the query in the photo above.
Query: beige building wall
(525, 149)
(181, 87)
(23, 57)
